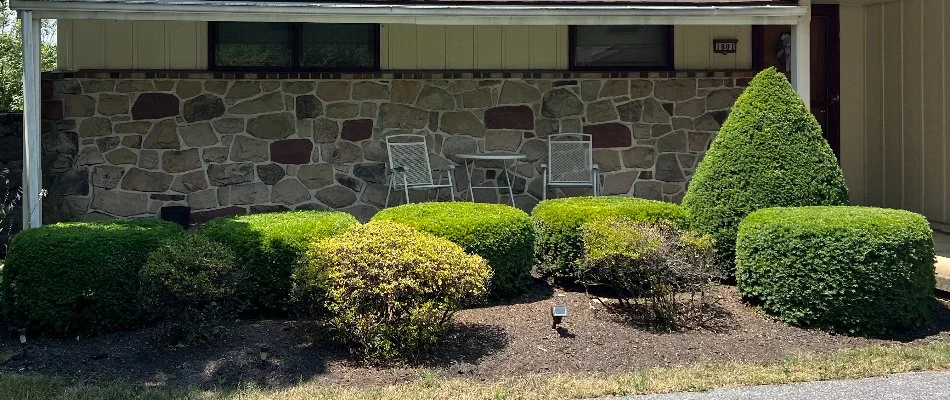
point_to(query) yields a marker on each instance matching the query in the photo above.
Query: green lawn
(853, 363)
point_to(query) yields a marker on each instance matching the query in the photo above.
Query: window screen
(253, 44)
(294, 46)
(338, 46)
(621, 46)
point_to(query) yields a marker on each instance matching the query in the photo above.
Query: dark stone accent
(203, 108)
(72, 182)
(291, 151)
(266, 208)
(609, 135)
(370, 172)
(720, 116)
(155, 106)
(201, 217)
(167, 197)
(513, 117)
(52, 109)
(270, 173)
(308, 106)
(565, 83)
(357, 129)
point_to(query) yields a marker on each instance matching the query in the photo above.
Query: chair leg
(544, 185)
(389, 192)
(405, 186)
(451, 185)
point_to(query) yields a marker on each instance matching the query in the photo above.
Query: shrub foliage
(502, 235)
(560, 247)
(269, 247)
(851, 269)
(658, 272)
(392, 288)
(190, 282)
(79, 277)
(769, 153)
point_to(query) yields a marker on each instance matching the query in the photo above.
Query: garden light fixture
(558, 312)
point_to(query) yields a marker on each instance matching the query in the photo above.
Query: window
(627, 47)
(294, 46)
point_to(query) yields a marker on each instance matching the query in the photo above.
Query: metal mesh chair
(570, 163)
(409, 167)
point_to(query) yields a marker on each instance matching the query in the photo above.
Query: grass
(844, 364)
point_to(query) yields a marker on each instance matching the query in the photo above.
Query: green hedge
(560, 247)
(269, 246)
(769, 153)
(850, 269)
(79, 277)
(502, 235)
(392, 288)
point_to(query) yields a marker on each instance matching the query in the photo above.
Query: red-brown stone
(355, 130)
(154, 106)
(511, 117)
(52, 109)
(201, 217)
(609, 135)
(291, 151)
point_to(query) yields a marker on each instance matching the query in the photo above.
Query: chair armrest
(544, 166)
(595, 167)
(398, 169)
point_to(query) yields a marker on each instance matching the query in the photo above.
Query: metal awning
(429, 12)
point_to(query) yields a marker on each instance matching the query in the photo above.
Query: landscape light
(558, 312)
(264, 352)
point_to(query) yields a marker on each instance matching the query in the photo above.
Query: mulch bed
(485, 343)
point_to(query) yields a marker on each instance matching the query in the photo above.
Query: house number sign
(725, 46)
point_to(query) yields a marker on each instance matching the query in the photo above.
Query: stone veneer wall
(126, 144)
(11, 158)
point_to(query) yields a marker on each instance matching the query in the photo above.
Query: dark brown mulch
(484, 343)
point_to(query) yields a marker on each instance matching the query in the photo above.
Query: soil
(500, 340)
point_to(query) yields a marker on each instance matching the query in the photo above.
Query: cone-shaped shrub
(769, 153)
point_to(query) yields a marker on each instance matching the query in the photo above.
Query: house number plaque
(725, 46)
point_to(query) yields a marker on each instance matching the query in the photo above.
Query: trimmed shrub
(502, 235)
(269, 247)
(80, 277)
(560, 247)
(659, 273)
(392, 288)
(769, 153)
(849, 269)
(190, 281)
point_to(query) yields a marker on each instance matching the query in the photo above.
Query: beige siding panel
(516, 41)
(721, 61)
(460, 47)
(913, 104)
(853, 132)
(384, 46)
(488, 47)
(544, 47)
(118, 45)
(150, 44)
(87, 44)
(934, 108)
(182, 39)
(874, 106)
(430, 41)
(743, 48)
(695, 53)
(403, 47)
(946, 108)
(692, 47)
(64, 44)
(893, 113)
(563, 48)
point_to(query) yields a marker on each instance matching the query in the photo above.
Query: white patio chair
(409, 167)
(570, 163)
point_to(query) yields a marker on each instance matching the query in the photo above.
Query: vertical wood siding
(897, 156)
(108, 44)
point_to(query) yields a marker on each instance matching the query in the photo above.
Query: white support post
(801, 58)
(32, 170)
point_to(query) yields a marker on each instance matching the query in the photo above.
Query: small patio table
(505, 158)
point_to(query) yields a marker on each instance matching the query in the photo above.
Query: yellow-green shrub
(392, 289)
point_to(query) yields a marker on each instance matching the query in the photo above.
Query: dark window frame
(572, 62)
(296, 50)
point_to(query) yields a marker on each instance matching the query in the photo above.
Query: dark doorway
(770, 49)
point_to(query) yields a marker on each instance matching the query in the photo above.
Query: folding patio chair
(409, 167)
(570, 163)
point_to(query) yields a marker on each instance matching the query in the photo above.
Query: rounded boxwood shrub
(269, 246)
(851, 269)
(560, 247)
(768, 153)
(80, 277)
(393, 289)
(190, 281)
(502, 235)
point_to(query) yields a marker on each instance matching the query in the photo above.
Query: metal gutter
(435, 14)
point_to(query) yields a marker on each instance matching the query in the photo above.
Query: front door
(772, 45)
